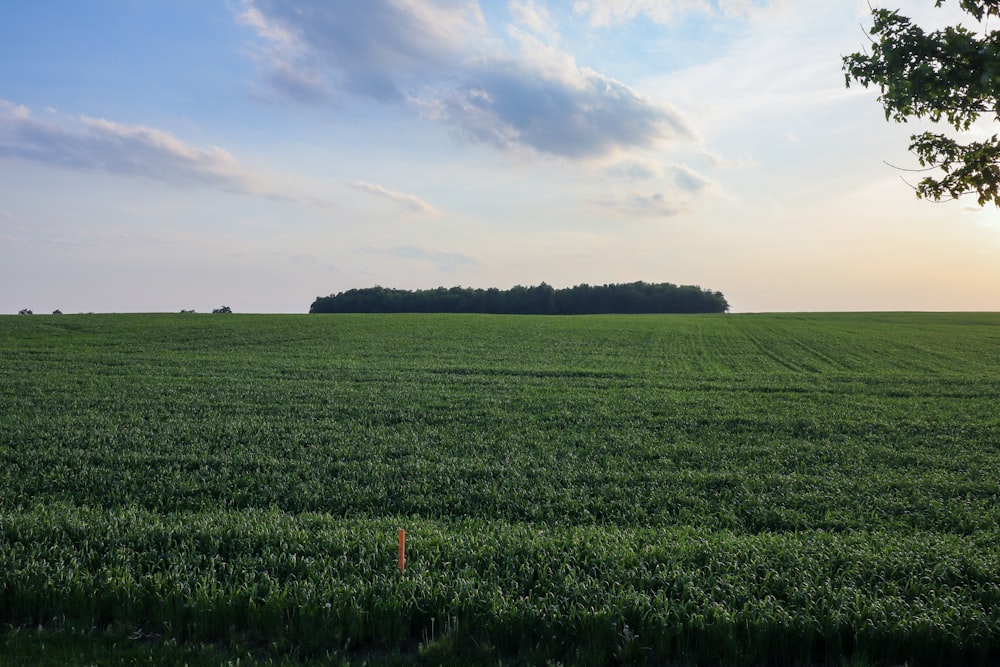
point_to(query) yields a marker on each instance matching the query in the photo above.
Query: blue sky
(162, 155)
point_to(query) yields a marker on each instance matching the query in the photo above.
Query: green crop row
(310, 583)
(594, 490)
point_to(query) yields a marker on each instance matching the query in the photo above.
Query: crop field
(589, 490)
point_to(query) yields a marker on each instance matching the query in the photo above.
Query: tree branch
(931, 168)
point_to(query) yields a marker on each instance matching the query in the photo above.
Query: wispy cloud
(372, 48)
(5, 215)
(443, 261)
(688, 179)
(96, 144)
(603, 13)
(441, 57)
(409, 202)
(656, 205)
(720, 162)
(633, 170)
(678, 178)
(532, 16)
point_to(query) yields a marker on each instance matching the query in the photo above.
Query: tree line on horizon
(543, 299)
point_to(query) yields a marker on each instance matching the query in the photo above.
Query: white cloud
(633, 170)
(720, 162)
(251, 16)
(376, 48)
(636, 205)
(784, 62)
(96, 144)
(605, 13)
(410, 202)
(441, 57)
(602, 13)
(689, 180)
(542, 100)
(533, 17)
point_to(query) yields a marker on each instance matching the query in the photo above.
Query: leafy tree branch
(950, 75)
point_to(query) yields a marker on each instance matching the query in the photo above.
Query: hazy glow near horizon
(161, 156)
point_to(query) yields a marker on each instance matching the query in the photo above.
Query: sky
(160, 155)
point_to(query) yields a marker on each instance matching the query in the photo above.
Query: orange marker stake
(402, 549)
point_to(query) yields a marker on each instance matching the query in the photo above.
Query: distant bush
(222, 310)
(638, 297)
(25, 311)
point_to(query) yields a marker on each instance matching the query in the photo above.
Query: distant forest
(638, 297)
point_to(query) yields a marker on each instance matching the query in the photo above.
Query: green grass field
(662, 490)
